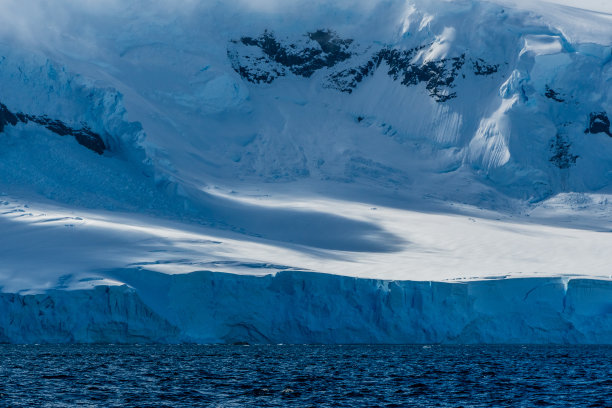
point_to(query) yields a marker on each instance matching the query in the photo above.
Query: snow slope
(50, 247)
(394, 140)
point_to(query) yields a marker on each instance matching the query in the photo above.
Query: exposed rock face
(562, 156)
(323, 50)
(599, 123)
(6, 118)
(552, 94)
(84, 136)
(482, 68)
(264, 59)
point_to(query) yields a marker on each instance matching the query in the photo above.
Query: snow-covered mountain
(391, 142)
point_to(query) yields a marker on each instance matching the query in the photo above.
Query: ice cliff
(103, 315)
(300, 307)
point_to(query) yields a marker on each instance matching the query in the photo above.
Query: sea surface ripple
(304, 376)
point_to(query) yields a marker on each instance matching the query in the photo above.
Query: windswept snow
(57, 247)
(598, 6)
(581, 21)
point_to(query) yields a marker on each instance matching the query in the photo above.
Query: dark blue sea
(305, 376)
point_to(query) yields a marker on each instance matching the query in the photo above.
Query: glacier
(304, 308)
(401, 171)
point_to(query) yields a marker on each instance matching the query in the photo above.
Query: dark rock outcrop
(84, 136)
(326, 51)
(562, 157)
(264, 59)
(599, 123)
(552, 94)
(7, 118)
(438, 76)
(482, 68)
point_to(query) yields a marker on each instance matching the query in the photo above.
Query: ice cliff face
(298, 307)
(103, 315)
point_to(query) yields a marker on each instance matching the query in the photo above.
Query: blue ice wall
(300, 307)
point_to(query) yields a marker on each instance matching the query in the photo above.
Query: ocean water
(305, 376)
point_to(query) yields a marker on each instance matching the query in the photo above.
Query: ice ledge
(300, 307)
